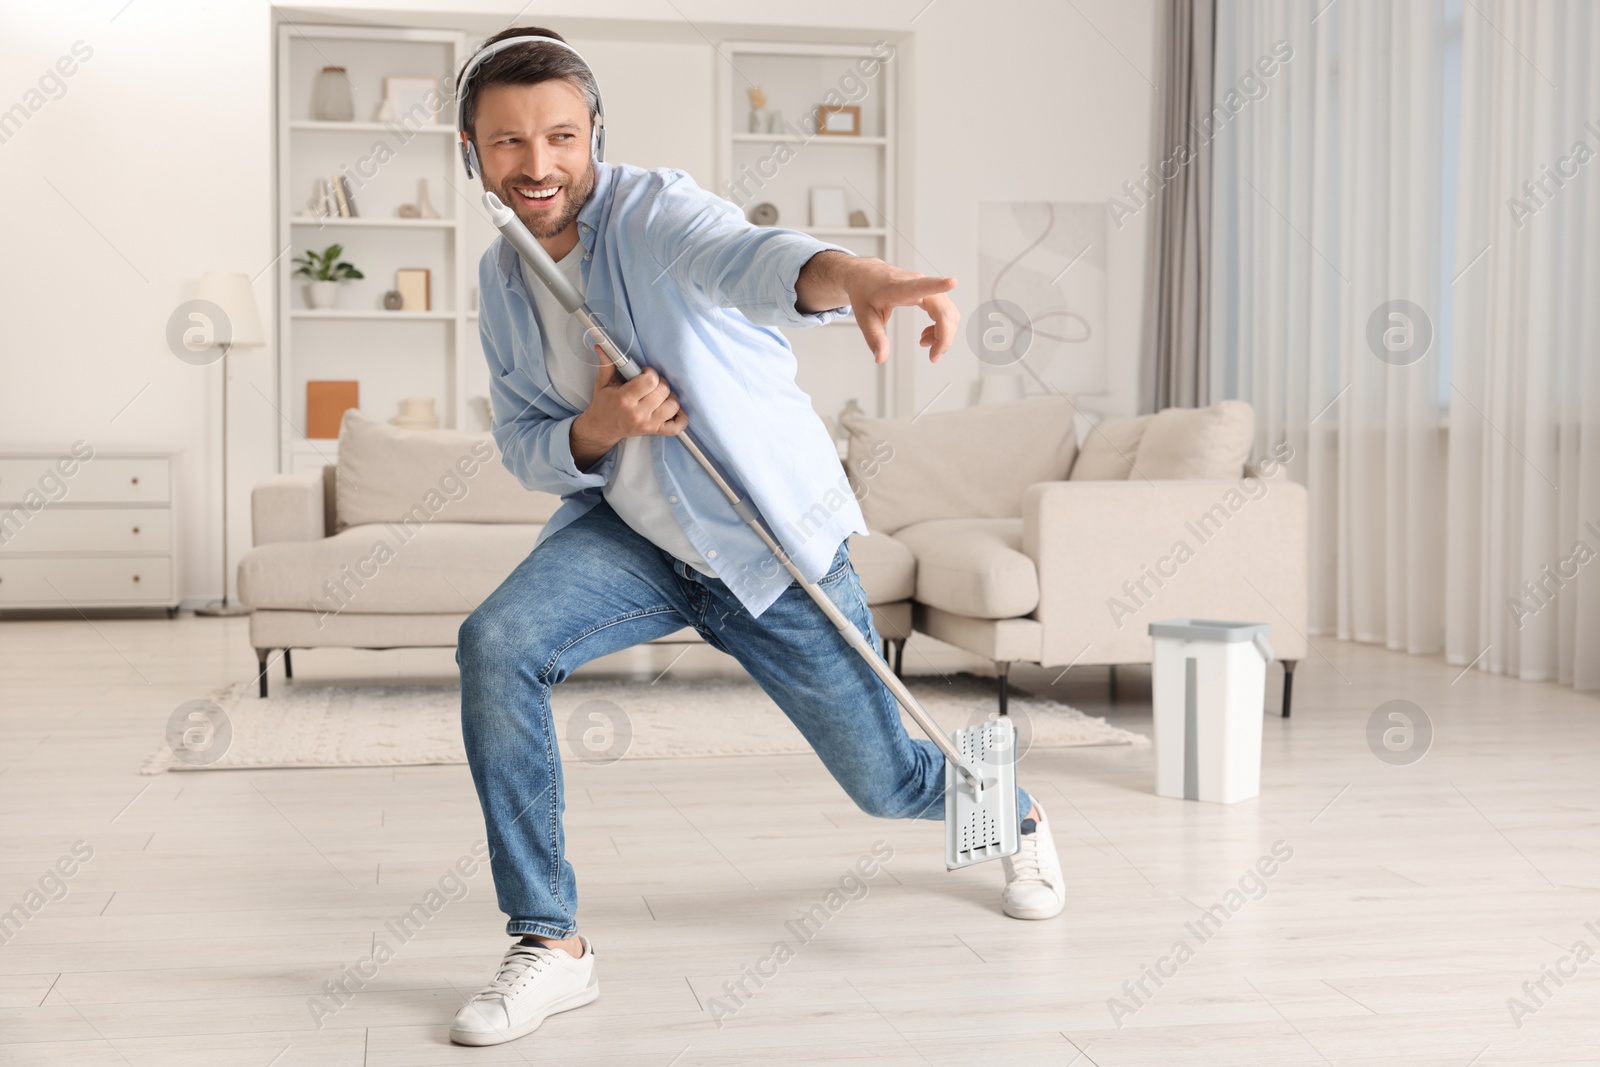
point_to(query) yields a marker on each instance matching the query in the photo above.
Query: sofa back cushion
(1109, 450)
(1211, 442)
(971, 463)
(1178, 443)
(387, 474)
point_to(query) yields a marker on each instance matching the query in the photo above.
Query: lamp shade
(230, 290)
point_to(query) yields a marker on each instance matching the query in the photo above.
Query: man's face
(535, 139)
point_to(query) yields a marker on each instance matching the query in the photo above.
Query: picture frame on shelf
(415, 285)
(839, 120)
(827, 206)
(411, 95)
(326, 403)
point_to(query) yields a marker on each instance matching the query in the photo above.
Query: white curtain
(1524, 487)
(1454, 488)
(1327, 210)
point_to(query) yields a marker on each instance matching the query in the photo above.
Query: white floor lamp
(230, 291)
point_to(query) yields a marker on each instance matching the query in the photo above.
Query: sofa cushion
(973, 567)
(975, 462)
(437, 567)
(387, 474)
(1212, 442)
(1109, 450)
(887, 569)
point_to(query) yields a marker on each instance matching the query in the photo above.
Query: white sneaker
(1034, 887)
(533, 983)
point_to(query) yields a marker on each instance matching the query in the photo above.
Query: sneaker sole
(587, 995)
(1034, 913)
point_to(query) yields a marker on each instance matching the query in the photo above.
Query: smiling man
(644, 544)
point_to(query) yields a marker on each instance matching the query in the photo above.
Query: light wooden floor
(1417, 901)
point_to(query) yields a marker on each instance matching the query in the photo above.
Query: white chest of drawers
(87, 528)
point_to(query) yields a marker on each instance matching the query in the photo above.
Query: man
(644, 543)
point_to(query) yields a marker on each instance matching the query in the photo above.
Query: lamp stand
(223, 608)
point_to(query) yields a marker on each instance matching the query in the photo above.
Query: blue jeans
(596, 587)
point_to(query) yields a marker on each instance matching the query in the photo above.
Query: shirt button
(712, 554)
(672, 500)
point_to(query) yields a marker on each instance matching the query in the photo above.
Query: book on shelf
(349, 195)
(340, 202)
(322, 200)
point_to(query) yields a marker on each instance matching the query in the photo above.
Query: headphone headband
(469, 151)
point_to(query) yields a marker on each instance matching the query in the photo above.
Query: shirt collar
(605, 177)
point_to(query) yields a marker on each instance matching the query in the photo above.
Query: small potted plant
(326, 270)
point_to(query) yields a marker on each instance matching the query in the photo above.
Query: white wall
(155, 165)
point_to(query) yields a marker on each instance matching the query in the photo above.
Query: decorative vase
(323, 294)
(424, 208)
(775, 121)
(330, 97)
(758, 120)
(417, 413)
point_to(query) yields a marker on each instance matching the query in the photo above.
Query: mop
(980, 795)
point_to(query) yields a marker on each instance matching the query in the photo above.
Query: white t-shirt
(633, 490)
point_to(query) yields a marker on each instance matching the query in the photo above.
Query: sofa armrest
(288, 507)
(1115, 556)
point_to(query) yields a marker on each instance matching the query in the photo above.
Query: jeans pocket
(838, 568)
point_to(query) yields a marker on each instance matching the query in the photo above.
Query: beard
(545, 223)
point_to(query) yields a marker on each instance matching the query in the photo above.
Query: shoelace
(521, 961)
(1026, 861)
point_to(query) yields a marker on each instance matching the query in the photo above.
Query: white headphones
(469, 151)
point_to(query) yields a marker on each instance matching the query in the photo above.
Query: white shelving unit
(393, 354)
(834, 365)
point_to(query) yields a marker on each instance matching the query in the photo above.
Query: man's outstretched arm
(873, 289)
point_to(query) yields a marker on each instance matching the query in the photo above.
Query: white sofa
(992, 532)
(1029, 550)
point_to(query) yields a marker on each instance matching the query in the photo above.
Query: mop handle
(506, 221)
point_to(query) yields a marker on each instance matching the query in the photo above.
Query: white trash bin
(1208, 681)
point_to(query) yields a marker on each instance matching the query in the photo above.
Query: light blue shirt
(684, 284)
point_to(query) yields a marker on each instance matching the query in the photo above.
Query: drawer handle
(135, 479)
(136, 529)
(136, 577)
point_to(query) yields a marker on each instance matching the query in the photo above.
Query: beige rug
(599, 721)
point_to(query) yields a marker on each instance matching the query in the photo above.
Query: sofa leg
(1113, 685)
(1288, 683)
(261, 667)
(288, 665)
(899, 646)
(1004, 670)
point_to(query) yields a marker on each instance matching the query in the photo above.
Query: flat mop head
(982, 823)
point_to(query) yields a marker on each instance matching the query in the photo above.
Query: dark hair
(538, 62)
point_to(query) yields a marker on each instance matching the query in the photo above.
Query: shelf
(393, 355)
(792, 77)
(795, 138)
(358, 221)
(344, 313)
(368, 127)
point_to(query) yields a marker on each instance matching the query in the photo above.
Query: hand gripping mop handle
(506, 221)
